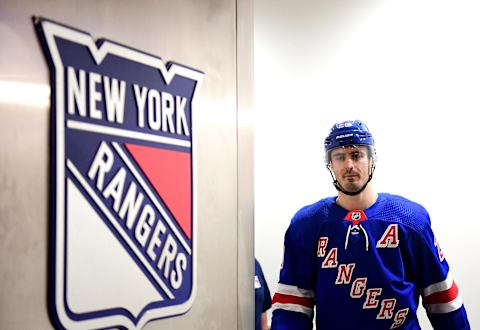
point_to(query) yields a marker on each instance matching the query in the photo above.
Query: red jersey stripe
(289, 299)
(442, 297)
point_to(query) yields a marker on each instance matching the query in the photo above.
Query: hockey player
(362, 259)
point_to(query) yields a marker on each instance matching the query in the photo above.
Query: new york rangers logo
(123, 184)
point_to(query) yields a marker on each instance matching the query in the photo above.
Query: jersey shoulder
(317, 211)
(305, 226)
(309, 218)
(395, 208)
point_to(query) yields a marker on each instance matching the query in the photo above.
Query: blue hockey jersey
(364, 270)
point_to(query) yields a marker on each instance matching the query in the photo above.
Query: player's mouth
(351, 177)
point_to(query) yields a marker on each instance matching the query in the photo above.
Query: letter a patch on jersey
(389, 238)
(123, 183)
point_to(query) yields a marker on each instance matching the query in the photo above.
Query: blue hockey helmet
(348, 133)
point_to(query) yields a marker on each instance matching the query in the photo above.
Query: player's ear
(327, 162)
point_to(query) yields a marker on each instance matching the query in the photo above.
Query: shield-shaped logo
(123, 189)
(355, 216)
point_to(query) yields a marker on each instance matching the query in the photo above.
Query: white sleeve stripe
(446, 307)
(293, 308)
(294, 291)
(439, 286)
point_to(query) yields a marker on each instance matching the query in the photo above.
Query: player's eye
(339, 158)
(357, 156)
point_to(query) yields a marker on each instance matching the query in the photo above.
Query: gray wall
(212, 36)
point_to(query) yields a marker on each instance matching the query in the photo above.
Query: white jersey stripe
(293, 308)
(295, 291)
(446, 307)
(439, 286)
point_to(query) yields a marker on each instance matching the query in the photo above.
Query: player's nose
(348, 163)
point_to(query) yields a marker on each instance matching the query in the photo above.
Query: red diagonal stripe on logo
(170, 174)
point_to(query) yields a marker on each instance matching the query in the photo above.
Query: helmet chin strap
(349, 193)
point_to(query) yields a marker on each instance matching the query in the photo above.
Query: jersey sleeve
(440, 294)
(294, 299)
(267, 301)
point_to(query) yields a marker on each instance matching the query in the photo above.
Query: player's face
(351, 166)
